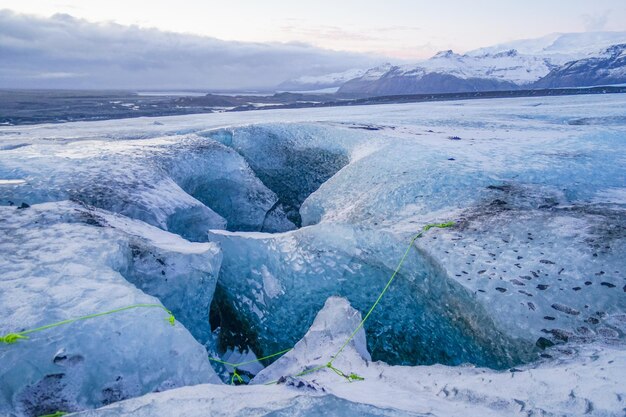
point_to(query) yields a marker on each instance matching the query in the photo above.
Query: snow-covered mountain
(502, 67)
(608, 68)
(451, 72)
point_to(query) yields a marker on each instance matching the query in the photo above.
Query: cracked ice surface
(536, 257)
(538, 246)
(64, 261)
(177, 183)
(276, 283)
(560, 387)
(587, 380)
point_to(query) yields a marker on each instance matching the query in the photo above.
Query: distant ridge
(556, 60)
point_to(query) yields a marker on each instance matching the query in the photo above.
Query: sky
(306, 36)
(396, 28)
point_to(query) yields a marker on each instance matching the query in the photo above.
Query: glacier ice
(585, 380)
(64, 261)
(423, 178)
(270, 287)
(183, 184)
(571, 385)
(333, 325)
(255, 401)
(291, 162)
(289, 208)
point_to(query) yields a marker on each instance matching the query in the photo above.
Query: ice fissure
(425, 318)
(245, 232)
(291, 163)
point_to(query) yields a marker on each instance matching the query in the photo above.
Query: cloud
(328, 32)
(66, 52)
(374, 40)
(596, 22)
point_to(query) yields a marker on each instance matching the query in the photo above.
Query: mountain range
(553, 61)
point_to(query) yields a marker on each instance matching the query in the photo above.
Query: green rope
(352, 376)
(393, 276)
(11, 338)
(57, 414)
(239, 364)
(236, 375)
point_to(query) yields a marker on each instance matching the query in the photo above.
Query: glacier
(60, 261)
(263, 231)
(562, 386)
(276, 284)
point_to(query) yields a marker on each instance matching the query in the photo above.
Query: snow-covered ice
(587, 381)
(60, 261)
(250, 225)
